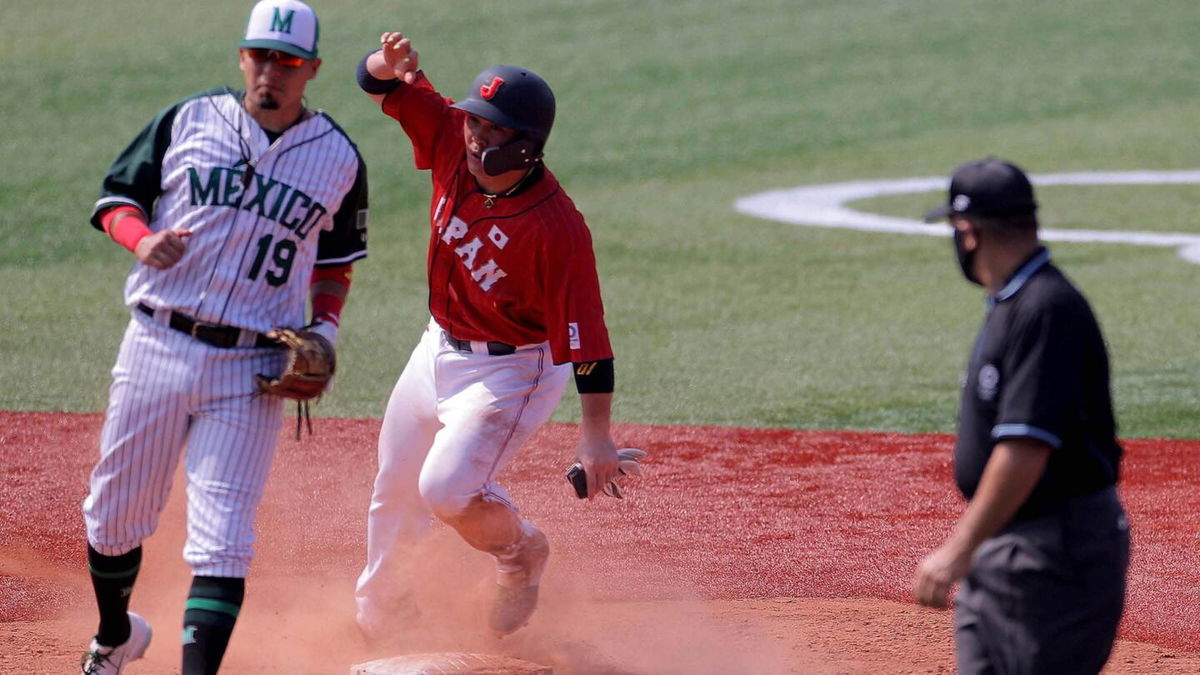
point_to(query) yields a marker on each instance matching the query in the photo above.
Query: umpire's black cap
(987, 187)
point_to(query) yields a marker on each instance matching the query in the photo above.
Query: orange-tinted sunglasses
(281, 58)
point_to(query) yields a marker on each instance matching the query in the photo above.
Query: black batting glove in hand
(628, 464)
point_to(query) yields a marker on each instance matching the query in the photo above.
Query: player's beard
(267, 102)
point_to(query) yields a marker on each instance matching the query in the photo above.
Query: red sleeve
(423, 114)
(574, 311)
(326, 306)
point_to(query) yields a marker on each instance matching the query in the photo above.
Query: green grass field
(668, 112)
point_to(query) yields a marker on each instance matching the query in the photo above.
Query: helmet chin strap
(490, 198)
(519, 154)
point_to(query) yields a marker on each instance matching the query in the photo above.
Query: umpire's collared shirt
(1039, 369)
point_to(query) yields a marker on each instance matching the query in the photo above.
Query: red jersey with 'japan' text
(517, 269)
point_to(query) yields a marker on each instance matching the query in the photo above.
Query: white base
(450, 663)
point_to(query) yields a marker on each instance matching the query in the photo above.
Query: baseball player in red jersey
(240, 207)
(516, 308)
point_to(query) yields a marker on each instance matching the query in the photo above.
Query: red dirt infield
(739, 551)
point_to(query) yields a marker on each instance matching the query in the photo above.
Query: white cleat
(102, 660)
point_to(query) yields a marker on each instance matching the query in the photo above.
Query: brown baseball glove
(310, 365)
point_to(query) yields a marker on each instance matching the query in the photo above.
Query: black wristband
(595, 377)
(371, 84)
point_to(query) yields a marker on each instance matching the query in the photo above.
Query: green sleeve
(135, 178)
(347, 241)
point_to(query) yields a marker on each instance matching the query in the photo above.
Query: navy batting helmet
(518, 99)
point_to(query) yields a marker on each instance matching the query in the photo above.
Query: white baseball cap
(287, 25)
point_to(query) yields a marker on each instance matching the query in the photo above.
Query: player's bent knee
(447, 499)
(448, 505)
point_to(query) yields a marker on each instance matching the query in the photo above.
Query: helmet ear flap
(519, 154)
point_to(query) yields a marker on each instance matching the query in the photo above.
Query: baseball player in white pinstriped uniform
(238, 206)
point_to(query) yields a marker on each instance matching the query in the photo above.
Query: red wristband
(326, 306)
(125, 225)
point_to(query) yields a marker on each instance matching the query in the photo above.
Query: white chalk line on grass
(825, 206)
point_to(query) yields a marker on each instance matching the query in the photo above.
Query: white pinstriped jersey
(260, 213)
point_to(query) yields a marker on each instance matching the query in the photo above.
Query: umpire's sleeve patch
(360, 222)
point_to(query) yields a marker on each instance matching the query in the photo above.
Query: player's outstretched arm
(394, 60)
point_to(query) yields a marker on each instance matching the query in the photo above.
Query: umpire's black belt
(210, 334)
(493, 348)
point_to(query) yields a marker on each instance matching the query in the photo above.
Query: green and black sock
(212, 609)
(112, 579)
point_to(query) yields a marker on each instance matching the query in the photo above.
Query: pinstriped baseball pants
(172, 393)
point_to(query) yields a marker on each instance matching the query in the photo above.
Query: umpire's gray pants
(1045, 595)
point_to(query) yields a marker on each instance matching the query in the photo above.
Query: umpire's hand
(939, 571)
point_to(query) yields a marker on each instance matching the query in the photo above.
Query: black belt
(493, 348)
(210, 334)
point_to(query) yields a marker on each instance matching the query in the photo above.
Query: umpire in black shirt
(1043, 546)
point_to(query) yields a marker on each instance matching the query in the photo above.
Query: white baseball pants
(453, 422)
(169, 392)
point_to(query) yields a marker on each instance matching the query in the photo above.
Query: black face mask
(966, 259)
